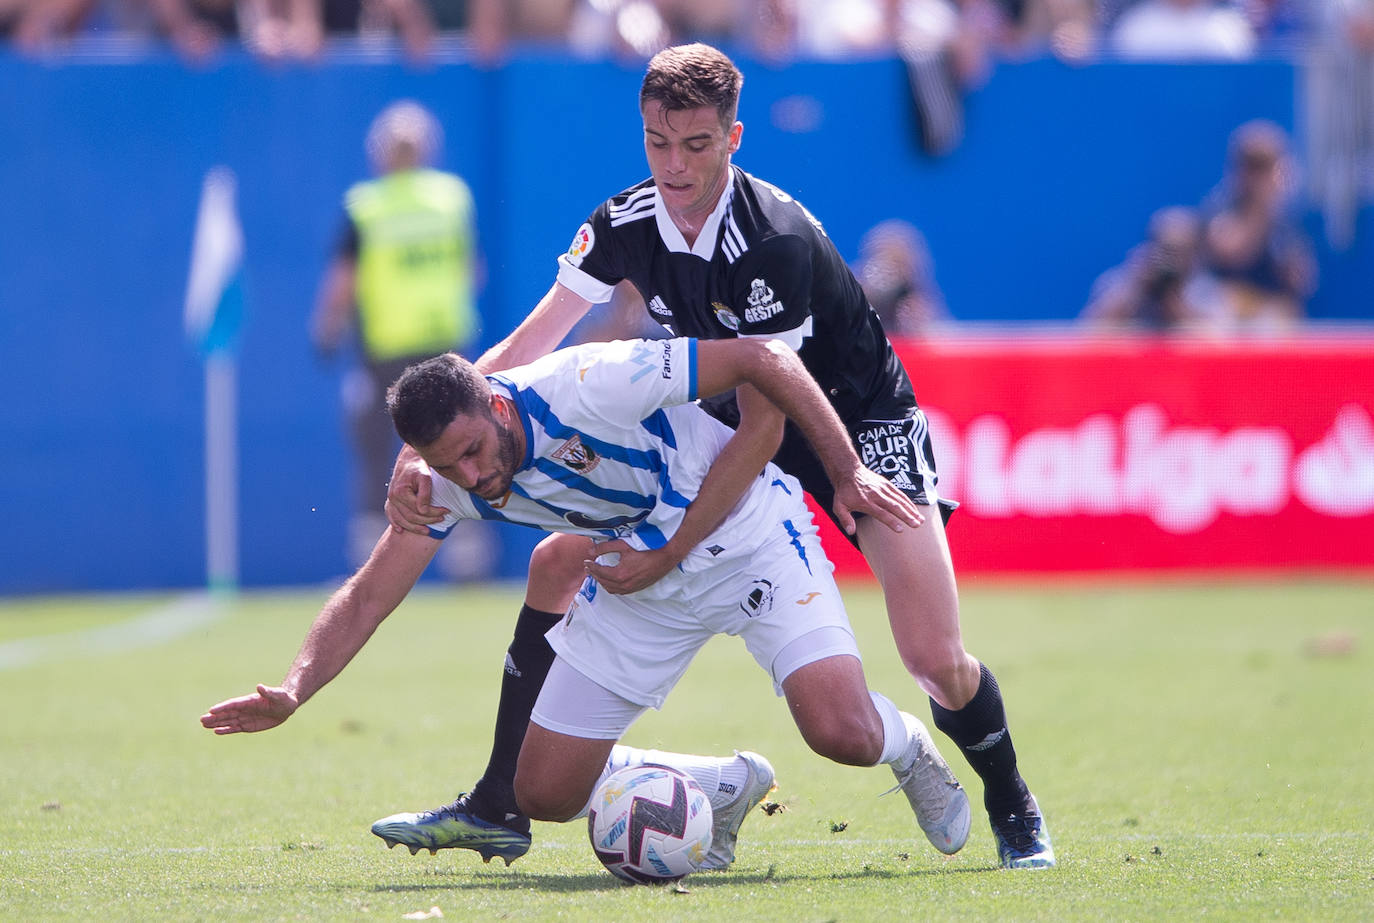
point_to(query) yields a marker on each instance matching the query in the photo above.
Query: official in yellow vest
(403, 277)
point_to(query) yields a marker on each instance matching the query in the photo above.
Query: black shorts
(894, 444)
(890, 434)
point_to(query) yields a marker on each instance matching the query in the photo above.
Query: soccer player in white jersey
(603, 441)
(717, 253)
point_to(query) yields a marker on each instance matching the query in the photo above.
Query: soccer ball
(650, 824)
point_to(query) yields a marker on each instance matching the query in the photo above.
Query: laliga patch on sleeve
(581, 245)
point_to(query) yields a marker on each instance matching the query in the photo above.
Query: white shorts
(572, 704)
(638, 646)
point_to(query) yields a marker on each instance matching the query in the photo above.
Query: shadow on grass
(519, 881)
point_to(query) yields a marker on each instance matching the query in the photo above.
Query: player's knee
(850, 737)
(945, 672)
(555, 572)
(541, 801)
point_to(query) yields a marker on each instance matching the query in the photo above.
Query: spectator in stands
(1339, 114)
(194, 27)
(410, 20)
(405, 276)
(282, 28)
(944, 50)
(10, 12)
(1161, 286)
(847, 28)
(1277, 23)
(897, 275)
(1068, 29)
(592, 28)
(1251, 239)
(37, 24)
(1183, 30)
(494, 24)
(641, 28)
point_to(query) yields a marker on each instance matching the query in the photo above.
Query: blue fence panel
(102, 458)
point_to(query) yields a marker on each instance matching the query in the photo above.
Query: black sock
(980, 730)
(527, 663)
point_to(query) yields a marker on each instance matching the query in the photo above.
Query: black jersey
(762, 266)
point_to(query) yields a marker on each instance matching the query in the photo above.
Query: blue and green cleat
(454, 826)
(1023, 841)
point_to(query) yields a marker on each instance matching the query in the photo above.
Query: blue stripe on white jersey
(614, 448)
(582, 485)
(658, 426)
(539, 411)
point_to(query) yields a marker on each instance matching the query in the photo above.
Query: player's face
(689, 156)
(479, 454)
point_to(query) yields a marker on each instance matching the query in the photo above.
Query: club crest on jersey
(727, 317)
(581, 245)
(761, 303)
(577, 456)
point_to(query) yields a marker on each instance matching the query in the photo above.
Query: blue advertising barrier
(101, 453)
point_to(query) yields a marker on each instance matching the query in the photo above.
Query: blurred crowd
(1239, 262)
(964, 34)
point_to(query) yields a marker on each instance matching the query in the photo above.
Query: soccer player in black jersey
(718, 253)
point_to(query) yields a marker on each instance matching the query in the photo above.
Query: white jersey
(615, 449)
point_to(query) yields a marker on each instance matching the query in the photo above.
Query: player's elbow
(773, 355)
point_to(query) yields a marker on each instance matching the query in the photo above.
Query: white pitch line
(165, 623)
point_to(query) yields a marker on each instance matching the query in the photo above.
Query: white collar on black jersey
(705, 246)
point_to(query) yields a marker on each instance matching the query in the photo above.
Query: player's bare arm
(408, 495)
(341, 629)
(540, 333)
(777, 372)
(741, 459)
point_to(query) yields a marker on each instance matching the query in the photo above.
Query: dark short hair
(691, 76)
(432, 394)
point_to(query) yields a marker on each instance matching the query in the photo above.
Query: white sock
(895, 734)
(720, 777)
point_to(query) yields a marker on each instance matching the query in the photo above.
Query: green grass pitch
(1201, 749)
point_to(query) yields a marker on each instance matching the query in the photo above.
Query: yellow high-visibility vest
(415, 263)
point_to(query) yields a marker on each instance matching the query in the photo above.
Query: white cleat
(940, 802)
(728, 819)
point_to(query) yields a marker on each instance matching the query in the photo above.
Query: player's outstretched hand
(633, 572)
(408, 495)
(264, 709)
(876, 496)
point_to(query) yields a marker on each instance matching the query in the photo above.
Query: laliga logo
(1181, 477)
(1336, 476)
(581, 244)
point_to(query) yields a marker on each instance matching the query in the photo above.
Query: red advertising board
(1083, 455)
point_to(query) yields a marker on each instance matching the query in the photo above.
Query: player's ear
(733, 139)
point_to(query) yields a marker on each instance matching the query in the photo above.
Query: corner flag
(213, 315)
(214, 292)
